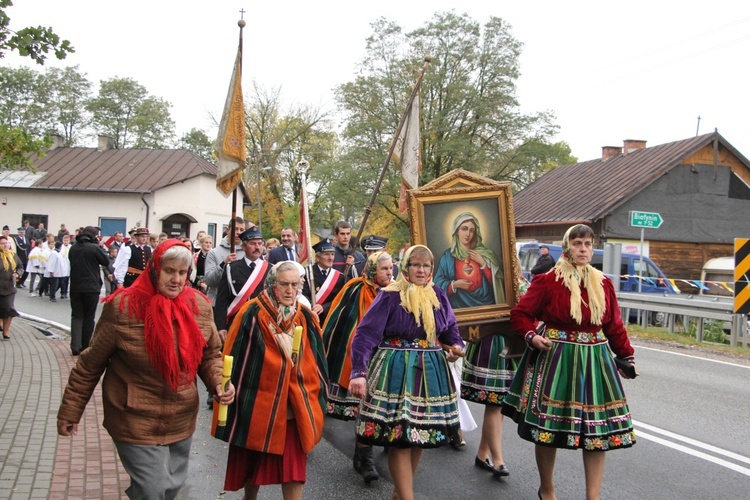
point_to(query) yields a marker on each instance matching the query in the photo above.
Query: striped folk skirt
(487, 375)
(570, 397)
(411, 400)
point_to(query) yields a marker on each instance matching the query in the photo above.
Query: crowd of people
(353, 336)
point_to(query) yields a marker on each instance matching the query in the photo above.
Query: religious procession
(288, 336)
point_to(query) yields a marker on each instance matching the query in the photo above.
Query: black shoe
(75, 353)
(365, 464)
(484, 465)
(210, 403)
(502, 471)
(52, 299)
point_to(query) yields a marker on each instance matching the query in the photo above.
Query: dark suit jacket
(239, 272)
(319, 280)
(279, 254)
(22, 249)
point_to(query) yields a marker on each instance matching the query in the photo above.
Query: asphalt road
(691, 411)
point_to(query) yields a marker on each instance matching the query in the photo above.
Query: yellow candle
(226, 376)
(296, 341)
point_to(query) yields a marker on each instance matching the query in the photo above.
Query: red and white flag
(407, 152)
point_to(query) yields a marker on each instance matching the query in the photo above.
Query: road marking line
(693, 442)
(691, 356)
(690, 451)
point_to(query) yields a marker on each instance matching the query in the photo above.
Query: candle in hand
(226, 376)
(296, 341)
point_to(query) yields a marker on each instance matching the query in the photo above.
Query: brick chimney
(105, 142)
(58, 141)
(610, 151)
(630, 145)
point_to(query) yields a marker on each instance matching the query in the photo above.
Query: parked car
(653, 279)
(717, 271)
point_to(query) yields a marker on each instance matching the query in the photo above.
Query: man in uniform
(347, 258)
(243, 280)
(327, 280)
(22, 250)
(373, 243)
(132, 259)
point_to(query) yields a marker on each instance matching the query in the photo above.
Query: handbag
(627, 368)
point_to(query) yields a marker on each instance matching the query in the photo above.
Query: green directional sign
(645, 219)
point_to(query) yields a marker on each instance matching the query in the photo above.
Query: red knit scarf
(163, 317)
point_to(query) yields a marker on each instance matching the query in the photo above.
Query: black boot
(365, 464)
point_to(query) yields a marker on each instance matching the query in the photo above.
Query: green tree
(35, 43)
(278, 139)
(470, 114)
(69, 90)
(18, 144)
(124, 109)
(198, 142)
(23, 100)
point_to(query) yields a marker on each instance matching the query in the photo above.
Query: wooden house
(700, 187)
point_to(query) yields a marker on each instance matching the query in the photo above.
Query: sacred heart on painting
(468, 268)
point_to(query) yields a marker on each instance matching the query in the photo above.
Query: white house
(167, 190)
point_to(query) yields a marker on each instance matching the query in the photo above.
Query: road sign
(645, 219)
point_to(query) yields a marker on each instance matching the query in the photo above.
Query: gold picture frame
(481, 286)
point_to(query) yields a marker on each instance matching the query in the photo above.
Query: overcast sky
(609, 70)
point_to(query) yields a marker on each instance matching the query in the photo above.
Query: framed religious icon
(467, 222)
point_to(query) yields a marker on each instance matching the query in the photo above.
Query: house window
(212, 232)
(110, 225)
(34, 220)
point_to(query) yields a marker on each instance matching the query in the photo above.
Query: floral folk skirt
(340, 404)
(570, 397)
(411, 399)
(487, 375)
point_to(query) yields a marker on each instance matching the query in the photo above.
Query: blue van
(654, 280)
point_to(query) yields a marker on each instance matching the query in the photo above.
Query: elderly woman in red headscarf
(150, 342)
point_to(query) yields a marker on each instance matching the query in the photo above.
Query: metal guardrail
(695, 306)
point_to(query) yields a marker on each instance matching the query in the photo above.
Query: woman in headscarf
(468, 271)
(409, 397)
(281, 395)
(11, 268)
(347, 310)
(567, 392)
(152, 339)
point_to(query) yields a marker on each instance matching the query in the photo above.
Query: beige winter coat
(139, 407)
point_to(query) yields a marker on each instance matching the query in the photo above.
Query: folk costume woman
(409, 397)
(468, 271)
(150, 342)
(567, 391)
(347, 310)
(11, 268)
(278, 418)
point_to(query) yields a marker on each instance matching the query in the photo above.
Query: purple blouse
(386, 318)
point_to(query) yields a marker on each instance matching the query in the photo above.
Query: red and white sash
(327, 287)
(253, 282)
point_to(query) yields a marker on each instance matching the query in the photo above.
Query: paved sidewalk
(33, 462)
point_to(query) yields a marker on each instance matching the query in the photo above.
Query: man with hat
(373, 243)
(327, 280)
(85, 285)
(243, 280)
(22, 250)
(132, 259)
(544, 263)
